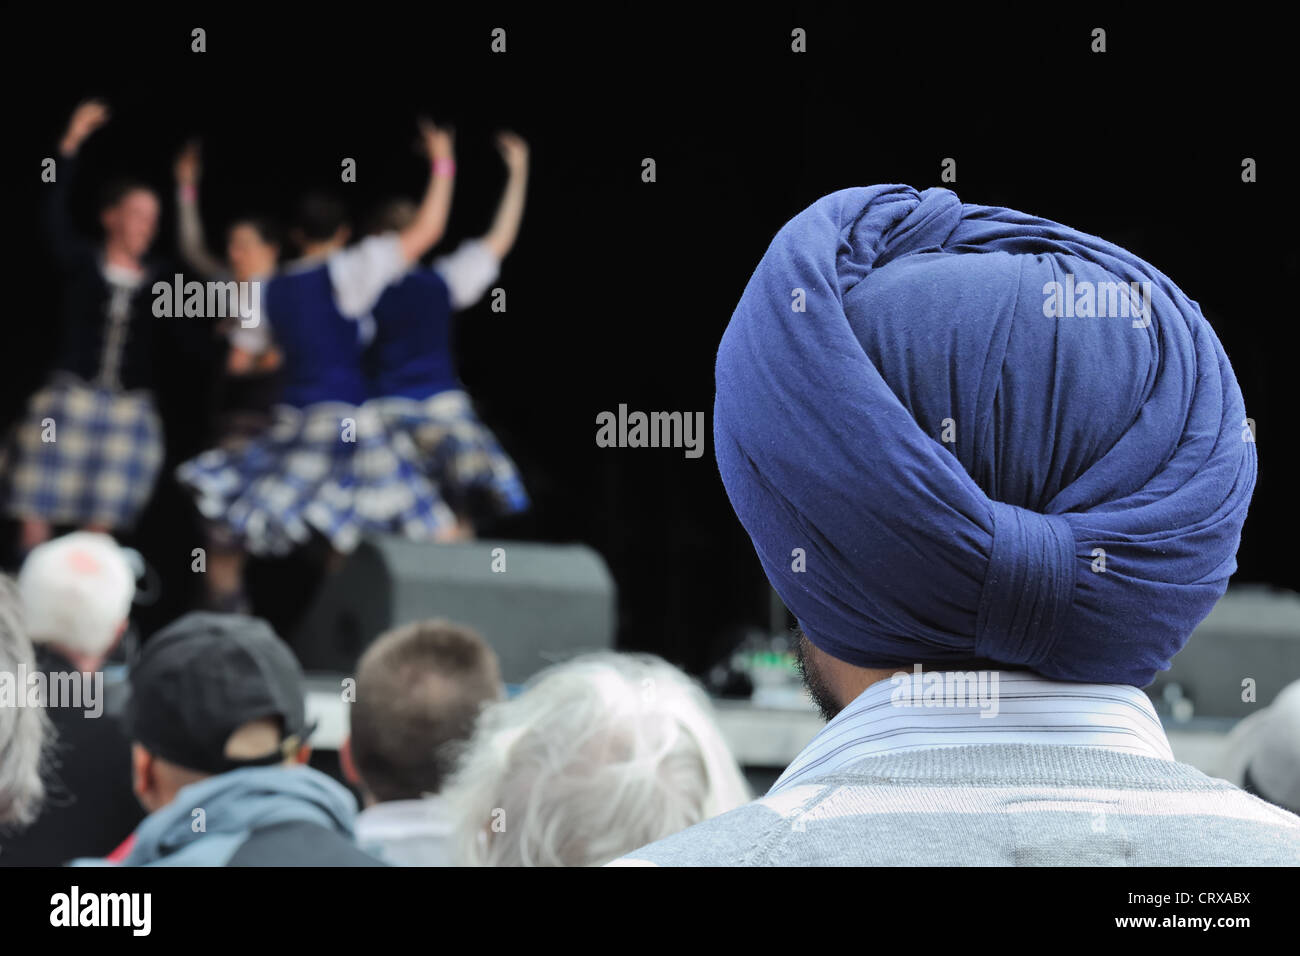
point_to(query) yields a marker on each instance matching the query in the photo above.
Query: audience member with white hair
(1262, 753)
(23, 730)
(76, 593)
(595, 757)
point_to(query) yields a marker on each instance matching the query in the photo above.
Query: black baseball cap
(204, 676)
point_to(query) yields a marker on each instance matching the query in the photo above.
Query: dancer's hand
(513, 149)
(239, 361)
(438, 141)
(86, 118)
(269, 360)
(188, 168)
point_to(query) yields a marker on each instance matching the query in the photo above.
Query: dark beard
(813, 681)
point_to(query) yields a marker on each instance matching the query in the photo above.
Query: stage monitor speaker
(534, 603)
(1249, 642)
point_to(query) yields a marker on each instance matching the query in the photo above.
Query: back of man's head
(76, 592)
(212, 693)
(971, 459)
(158, 780)
(419, 690)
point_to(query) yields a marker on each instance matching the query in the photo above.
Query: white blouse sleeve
(360, 274)
(469, 272)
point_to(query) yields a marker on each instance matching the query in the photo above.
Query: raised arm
(510, 211)
(66, 244)
(194, 249)
(431, 218)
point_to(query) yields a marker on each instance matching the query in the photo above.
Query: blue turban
(944, 451)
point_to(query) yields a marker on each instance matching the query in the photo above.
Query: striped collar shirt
(915, 711)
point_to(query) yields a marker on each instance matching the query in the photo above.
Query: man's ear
(142, 775)
(347, 764)
(343, 234)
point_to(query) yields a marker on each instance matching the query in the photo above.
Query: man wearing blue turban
(997, 469)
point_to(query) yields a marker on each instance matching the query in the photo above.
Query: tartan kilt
(459, 452)
(313, 472)
(96, 463)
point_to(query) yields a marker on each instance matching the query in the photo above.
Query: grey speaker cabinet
(1250, 639)
(534, 603)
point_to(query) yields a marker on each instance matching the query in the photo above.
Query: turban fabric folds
(945, 448)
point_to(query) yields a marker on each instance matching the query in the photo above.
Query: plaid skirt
(459, 452)
(83, 455)
(332, 468)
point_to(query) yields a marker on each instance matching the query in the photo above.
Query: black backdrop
(618, 290)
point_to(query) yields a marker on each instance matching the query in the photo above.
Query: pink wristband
(444, 166)
(188, 192)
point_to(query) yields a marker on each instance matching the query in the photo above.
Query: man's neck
(116, 254)
(852, 681)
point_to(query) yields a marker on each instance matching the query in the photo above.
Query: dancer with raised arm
(410, 366)
(251, 380)
(328, 469)
(88, 450)
(252, 253)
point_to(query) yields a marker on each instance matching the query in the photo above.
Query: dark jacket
(178, 358)
(89, 806)
(84, 293)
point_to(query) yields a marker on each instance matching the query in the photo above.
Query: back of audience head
(212, 693)
(596, 757)
(394, 215)
(76, 593)
(23, 730)
(419, 689)
(1272, 751)
(320, 220)
(156, 781)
